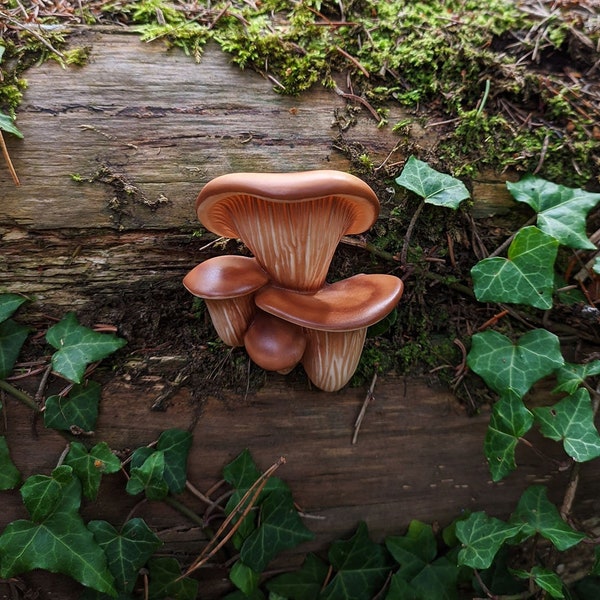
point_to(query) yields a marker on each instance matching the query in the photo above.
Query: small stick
(361, 415)
(9, 164)
(362, 101)
(507, 243)
(353, 60)
(411, 226)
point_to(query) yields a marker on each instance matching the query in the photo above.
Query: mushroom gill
(292, 222)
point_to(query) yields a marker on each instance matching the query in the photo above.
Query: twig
(353, 60)
(250, 497)
(411, 226)
(349, 241)
(11, 168)
(362, 101)
(361, 415)
(507, 242)
(36, 35)
(19, 395)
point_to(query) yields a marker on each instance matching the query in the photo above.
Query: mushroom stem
(331, 357)
(231, 317)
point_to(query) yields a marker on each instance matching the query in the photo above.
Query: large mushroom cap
(224, 277)
(347, 305)
(292, 222)
(303, 186)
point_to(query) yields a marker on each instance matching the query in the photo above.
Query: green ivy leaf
(536, 514)
(415, 553)
(280, 528)
(361, 566)
(510, 420)
(244, 578)
(400, 589)
(43, 494)
(90, 466)
(570, 377)
(9, 474)
(506, 366)
(544, 578)
(571, 421)
(60, 541)
(165, 581)
(435, 187)
(525, 277)
(79, 409)
(303, 584)
(175, 444)
(12, 338)
(149, 477)
(77, 346)
(561, 210)
(127, 551)
(9, 303)
(482, 537)
(7, 124)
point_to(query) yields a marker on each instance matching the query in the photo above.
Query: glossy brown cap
(346, 305)
(287, 188)
(225, 277)
(274, 344)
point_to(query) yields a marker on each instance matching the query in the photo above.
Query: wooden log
(116, 151)
(418, 456)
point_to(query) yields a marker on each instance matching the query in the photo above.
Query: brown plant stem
(9, 164)
(19, 395)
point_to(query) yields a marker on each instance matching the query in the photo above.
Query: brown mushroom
(335, 320)
(227, 284)
(274, 344)
(292, 222)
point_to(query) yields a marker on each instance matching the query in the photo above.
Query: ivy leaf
(149, 477)
(9, 304)
(571, 421)
(482, 537)
(536, 514)
(7, 124)
(175, 444)
(544, 578)
(571, 376)
(127, 551)
(400, 589)
(507, 366)
(79, 409)
(165, 581)
(90, 466)
(60, 541)
(435, 187)
(244, 578)
(77, 346)
(9, 474)
(561, 210)
(12, 338)
(280, 528)
(362, 566)
(42, 494)
(510, 420)
(525, 277)
(303, 584)
(415, 553)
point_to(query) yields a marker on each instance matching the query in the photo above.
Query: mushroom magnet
(278, 304)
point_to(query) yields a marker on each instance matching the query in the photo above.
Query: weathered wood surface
(151, 127)
(418, 456)
(155, 121)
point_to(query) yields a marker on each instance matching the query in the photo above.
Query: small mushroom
(274, 344)
(335, 320)
(292, 222)
(228, 284)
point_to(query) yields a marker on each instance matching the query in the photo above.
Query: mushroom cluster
(278, 304)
